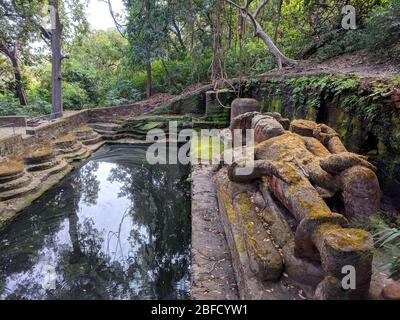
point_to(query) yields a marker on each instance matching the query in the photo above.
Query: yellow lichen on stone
(10, 168)
(250, 227)
(83, 130)
(41, 153)
(228, 206)
(349, 240)
(288, 171)
(68, 138)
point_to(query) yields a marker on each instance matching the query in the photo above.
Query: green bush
(9, 106)
(74, 97)
(383, 39)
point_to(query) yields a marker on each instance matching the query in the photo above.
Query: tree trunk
(217, 72)
(19, 88)
(191, 24)
(56, 79)
(149, 90)
(278, 21)
(281, 59)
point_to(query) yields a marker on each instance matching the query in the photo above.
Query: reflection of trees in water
(158, 259)
(85, 184)
(37, 229)
(161, 204)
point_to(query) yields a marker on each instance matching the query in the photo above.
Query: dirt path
(212, 273)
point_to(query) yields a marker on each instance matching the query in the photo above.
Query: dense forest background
(165, 46)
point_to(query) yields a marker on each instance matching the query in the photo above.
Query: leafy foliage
(107, 68)
(384, 39)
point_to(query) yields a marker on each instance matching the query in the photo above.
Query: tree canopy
(166, 45)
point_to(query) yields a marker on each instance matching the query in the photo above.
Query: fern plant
(389, 238)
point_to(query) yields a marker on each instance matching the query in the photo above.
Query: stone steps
(105, 132)
(61, 166)
(92, 141)
(21, 182)
(18, 193)
(80, 154)
(43, 166)
(39, 156)
(104, 127)
(73, 149)
(11, 177)
(33, 184)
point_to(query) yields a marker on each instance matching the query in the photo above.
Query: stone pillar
(241, 105)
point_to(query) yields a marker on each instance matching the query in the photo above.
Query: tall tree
(22, 24)
(55, 36)
(17, 20)
(146, 30)
(216, 65)
(56, 78)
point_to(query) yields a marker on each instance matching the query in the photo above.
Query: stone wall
(10, 121)
(59, 127)
(100, 114)
(15, 145)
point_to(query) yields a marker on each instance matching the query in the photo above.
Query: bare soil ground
(362, 63)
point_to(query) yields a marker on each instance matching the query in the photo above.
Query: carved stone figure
(309, 173)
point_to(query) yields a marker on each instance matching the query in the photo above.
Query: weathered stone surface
(347, 247)
(272, 215)
(322, 132)
(303, 127)
(301, 270)
(21, 182)
(265, 261)
(212, 272)
(39, 156)
(361, 191)
(43, 165)
(306, 237)
(330, 289)
(265, 127)
(337, 163)
(66, 141)
(303, 168)
(240, 106)
(10, 169)
(316, 147)
(391, 291)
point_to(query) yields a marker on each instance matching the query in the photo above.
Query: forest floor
(362, 63)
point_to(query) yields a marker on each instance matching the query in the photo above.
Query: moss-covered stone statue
(302, 168)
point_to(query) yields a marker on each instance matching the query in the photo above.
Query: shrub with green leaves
(379, 33)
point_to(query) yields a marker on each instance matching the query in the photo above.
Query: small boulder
(391, 291)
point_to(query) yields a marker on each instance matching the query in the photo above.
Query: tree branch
(259, 32)
(117, 24)
(259, 8)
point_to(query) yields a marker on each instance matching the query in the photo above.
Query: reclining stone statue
(303, 165)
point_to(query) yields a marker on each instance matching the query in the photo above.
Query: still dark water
(115, 228)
